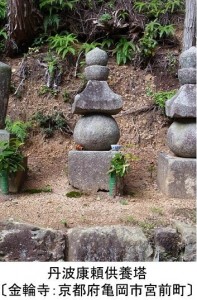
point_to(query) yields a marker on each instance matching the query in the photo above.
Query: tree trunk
(189, 35)
(23, 22)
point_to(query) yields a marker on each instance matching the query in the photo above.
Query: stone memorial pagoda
(96, 130)
(177, 172)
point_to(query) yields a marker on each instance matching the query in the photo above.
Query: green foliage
(11, 158)
(160, 97)
(50, 123)
(46, 189)
(155, 8)
(63, 44)
(74, 194)
(119, 165)
(3, 37)
(52, 9)
(86, 47)
(105, 18)
(124, 51)
(107, 43)
(3, 4)
(153, 32)
(44, 90)
(18, 128)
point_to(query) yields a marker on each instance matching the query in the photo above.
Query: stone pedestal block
(177, 176)
(88, 169)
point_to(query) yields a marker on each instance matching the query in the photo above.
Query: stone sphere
(187, 76)
(96, 132)
(96, 57)
(188, 58)
(97, 73)
(181, 139)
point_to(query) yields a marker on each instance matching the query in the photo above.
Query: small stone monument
(96, 130)
(177, 174)
(5, 78)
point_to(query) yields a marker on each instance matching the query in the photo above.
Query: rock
(22, 242)
(87, 170)
(167, 244)
(96, 132)
(97, 97)
(96, 72)
(187, 75)
(188, 235)
(5, 78)
(181, 138)
(96, 57)
(176, 177)
(188, 58)
(183, 104)
(114, 243)
(4, 135)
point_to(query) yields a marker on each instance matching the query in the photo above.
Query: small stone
(188, 58)
(183, 104)
(4, 135)
(97, 97)
(96, 72)
(187, 75)
(96, 132)
(96, 57)
(181, 139)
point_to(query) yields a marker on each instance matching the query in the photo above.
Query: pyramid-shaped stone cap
(188, 58)
(183, 104)
(97, 97)
(96, 57)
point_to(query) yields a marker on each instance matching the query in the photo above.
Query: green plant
(119, 165)
(124, 51)
(3, 4)
(44, 90)
(105, 18)
(46, 189)
(63, 45)
(52, 9)
(157, 210)
(19, 128)
(124, 202)
(74, 194)
(107, 43)
(86, 47)
(11, 157)
(160, 97)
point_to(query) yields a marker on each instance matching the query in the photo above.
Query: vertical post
(5, 78)
(189, 34)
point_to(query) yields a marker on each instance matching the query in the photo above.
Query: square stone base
(176, 176)
(87, 170)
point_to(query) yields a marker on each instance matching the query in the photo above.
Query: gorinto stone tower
(96, 130)
(177, 173)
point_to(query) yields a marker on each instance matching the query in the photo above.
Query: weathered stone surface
(4, 135)
(5, 78)
(96, 57)
(22, 242)
(87, 170)
(181, 139)
(176, 177)
(188, 235)
(96, 132)
(188, 58)
(96, 73)
(167, 244)
(183, 104)
(187, 75)
(115, 243)
(97, 97)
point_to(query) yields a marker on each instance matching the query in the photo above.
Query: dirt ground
(142, 133)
